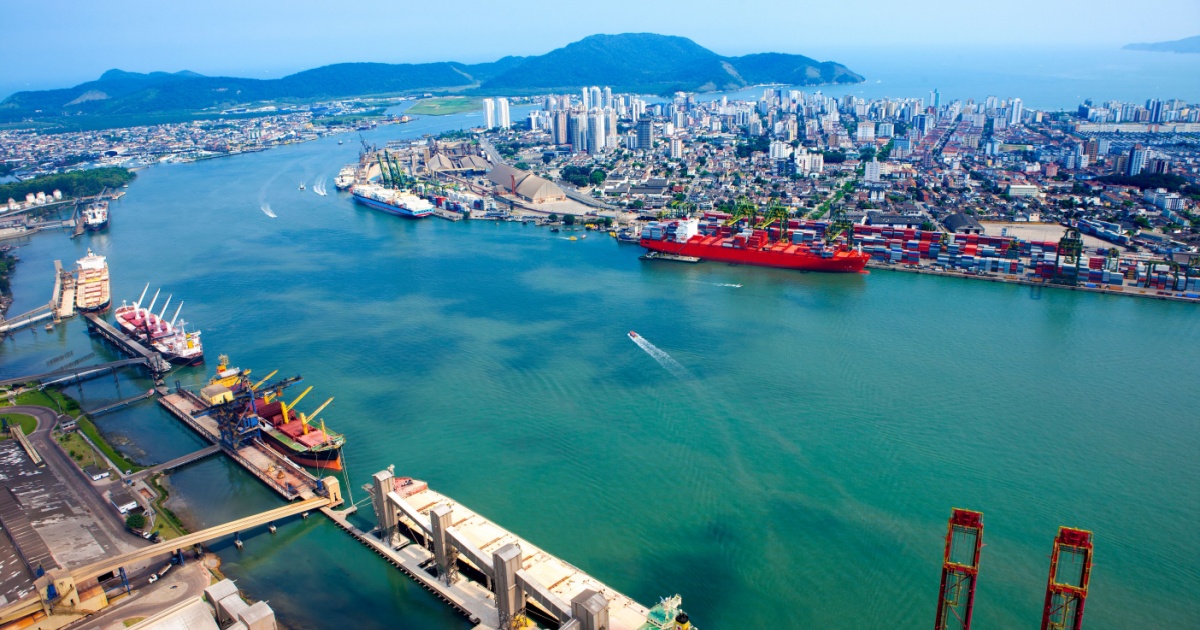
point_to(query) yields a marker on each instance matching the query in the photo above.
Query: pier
(177, 462)
(281, 474)
(491, 575)
(121, 404)
(126, 344)
(67, 376)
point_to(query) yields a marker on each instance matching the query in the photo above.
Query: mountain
(641, 62)
(1185, 45)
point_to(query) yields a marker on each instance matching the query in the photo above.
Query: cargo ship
(751, 247)
(398, 202)
(91, 283)
(175, 343)
(95, 216)
(278, 424)
(345, 177)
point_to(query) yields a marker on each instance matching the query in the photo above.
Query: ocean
(793, 467)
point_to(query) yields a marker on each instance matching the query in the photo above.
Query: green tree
(569, 219)
(597, 177)
(135, 521)
(553, 217)
(524, 166)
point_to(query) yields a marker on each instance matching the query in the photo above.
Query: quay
(448, 215)
(126, 344)
(670, 257)
(491, 575)
(281, 474)
(1139, 292)
(61, 305)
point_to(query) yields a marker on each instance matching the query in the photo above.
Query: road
(112, 526)
(180, 584)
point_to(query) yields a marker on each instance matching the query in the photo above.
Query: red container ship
(751, 247)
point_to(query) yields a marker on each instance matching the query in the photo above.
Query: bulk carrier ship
(722, 243)
(176, 344)
(278, 424)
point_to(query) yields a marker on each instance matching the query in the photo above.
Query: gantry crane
(1070, 249)
(960, 569)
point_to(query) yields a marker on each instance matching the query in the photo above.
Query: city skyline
(262, 42)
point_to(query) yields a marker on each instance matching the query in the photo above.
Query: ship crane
(255, 386)
(304, 417)
(284, 407)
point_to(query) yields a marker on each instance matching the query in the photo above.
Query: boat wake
(319, 187)
(664, 359)
(727, 284)
(266, 208)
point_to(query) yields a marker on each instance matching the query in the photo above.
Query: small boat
(633, 335)
(583, 236)
(339, 141)
(573, 238)
(554, 229)
(301, 185)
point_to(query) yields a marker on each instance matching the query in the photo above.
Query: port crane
(775, 212)
(839, 224)
(1070, 249)
(237, 419)
(744, 209)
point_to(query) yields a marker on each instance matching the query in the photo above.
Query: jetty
(281, 474)
(126, 344)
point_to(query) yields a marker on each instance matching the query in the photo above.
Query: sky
(62, 43)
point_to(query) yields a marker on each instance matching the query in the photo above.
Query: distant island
(630, 62)
(1185, 45)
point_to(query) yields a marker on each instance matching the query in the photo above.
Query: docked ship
(291, 433)
(175, 343)
(95, 216)
(345, 177)
(92, 291)
(398, 202)
(751, 247)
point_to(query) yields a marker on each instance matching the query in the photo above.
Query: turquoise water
(799, 473)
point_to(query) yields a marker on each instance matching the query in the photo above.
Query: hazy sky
(56, 43)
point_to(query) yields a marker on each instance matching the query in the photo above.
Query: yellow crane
(304, 417)
(284, 407)
(259, 384)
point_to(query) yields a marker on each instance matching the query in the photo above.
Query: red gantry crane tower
(960, 568)
(1070, 569)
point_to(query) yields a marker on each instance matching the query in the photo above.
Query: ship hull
(96, 227)
(390, 209)
(95, 308)
(841, 262)
(328, 459)
(179, 360)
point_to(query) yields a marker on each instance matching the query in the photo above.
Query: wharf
(448, 215)
(1139, 292)
(281, 474)
(97, 325)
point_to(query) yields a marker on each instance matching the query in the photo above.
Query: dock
(281, 474)
(121, 404)
(448, 215)
(126, 344)
(490, 574)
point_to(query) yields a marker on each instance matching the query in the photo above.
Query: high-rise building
(578, 130)
(502, 119)
(935, 98)
(584, 93)
(594, 97)
(608, 100)
(865, 131)
(1016, 110)
(1155, 107)
(1137, 159)
(489, 113)
(559, 127)
(595, 140)
(645, 134)
(872, 170)
(676, 148)
(638, 109)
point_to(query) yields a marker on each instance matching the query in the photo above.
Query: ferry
(398, 202)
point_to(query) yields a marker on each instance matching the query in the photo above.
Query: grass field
(28, 423)
(445, 106)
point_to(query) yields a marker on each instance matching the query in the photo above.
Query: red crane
(1066, 590)
(960, 567)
